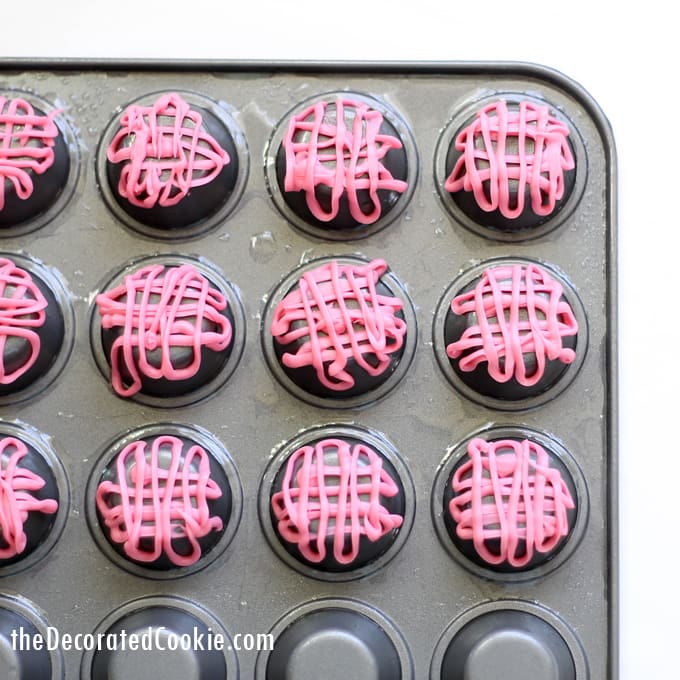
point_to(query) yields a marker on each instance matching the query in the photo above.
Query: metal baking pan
(423, 605)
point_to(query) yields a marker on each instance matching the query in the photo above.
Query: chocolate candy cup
(218, 501)
(394, 503)
(54, 336)
(533, 207)
(336, 220)
(47, 188)
(168, 387)
(303, 381)
(555, 334)
(50, 335)
(47, 507)
(514, 566)
(205, 205)
(52, 186)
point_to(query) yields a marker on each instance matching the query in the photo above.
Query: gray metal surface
(248, 588)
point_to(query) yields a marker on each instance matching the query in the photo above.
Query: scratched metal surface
(422, 590)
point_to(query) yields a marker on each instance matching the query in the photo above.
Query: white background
(626, 56)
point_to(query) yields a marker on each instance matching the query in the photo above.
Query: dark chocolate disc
(368, 550)
(164, 501)
(503, 218)
(510, 333)
(349, 341)
(395, 162)
(35, 492)
(341, 165)
(48, 184)
(18, 356)
(493, 544)
(510, 167)
(510, 503)
(178, 341)
(336, 502)
(211, 363)
(201, 202)
(480, 380)
(216, 507)
(172, 165)
(306, 377)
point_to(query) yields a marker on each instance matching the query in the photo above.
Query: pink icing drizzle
(508, 491)
(26, 146)
(486, 159)
(160, 495)
(16, 497)
(339, 315)
(334, 489)
(159, 308)
(22, 308)
(519, 311)
(165, 151)
(329, 154)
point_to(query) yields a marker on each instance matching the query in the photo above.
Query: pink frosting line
(22, 308)
(161, 308)
(543, 155)
(16, 497)
(165, 151)
(160, 495)
(507, 491)
(520, 313)
(337, 314)
(26, 146)
(334, 489)
(324, 153)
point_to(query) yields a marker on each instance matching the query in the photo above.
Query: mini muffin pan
(316, 355)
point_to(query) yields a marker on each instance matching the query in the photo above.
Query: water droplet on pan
(263, 247)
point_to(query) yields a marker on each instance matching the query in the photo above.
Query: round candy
(510, 333)
(341, 165)
(33, 497)
(511, 169)
(35, 163)
(510, 504)
(339, 332)
(169, 330)
(337, 502)
(164, 501)
(36, 327)
(172, 165)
